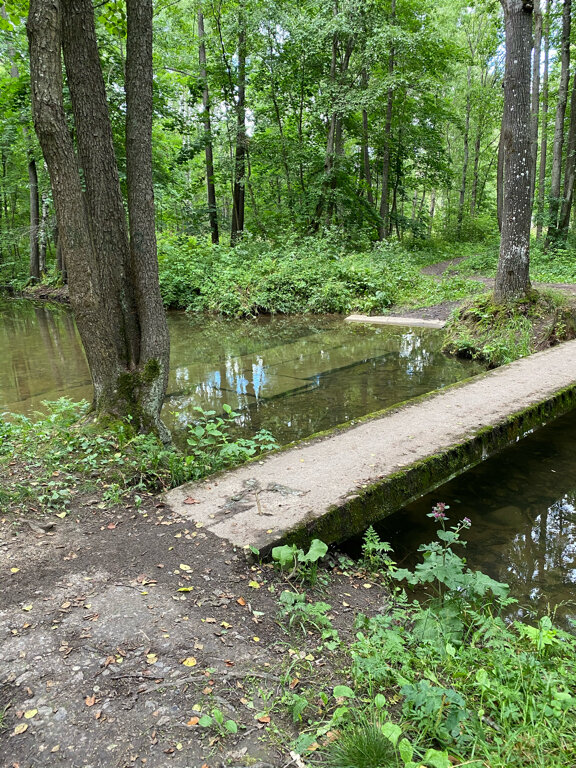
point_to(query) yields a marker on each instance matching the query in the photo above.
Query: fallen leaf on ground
(264, 719)
(190, 662)
(29, 714)
(90, 701)
(193, 721)
(190, 500)
(151, 658)
(241, 601)
(20, 728)
(254, 584)
(184, 567)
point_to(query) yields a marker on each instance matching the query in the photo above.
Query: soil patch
(120, 627)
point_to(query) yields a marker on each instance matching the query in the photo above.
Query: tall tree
(208, 147)
(544, 133)
(512, 276)
(239, 189)
(554, 202)
(114, 288)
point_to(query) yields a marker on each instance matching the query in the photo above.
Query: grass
(498, 334)
(445, 681)
(67, 456)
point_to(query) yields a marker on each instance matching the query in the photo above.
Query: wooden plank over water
(333, 486)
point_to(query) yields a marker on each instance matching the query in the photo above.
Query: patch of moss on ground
(500, 333)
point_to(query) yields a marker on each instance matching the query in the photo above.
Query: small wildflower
(467, 522)
(439, 515)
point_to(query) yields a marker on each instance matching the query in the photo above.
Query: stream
(299, 375)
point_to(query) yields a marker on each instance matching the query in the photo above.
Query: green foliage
(443, 679)
(499, 334)
(314, 274)
(362, 746)
(300, 563)
(66, 453)
(296, 611)
(375, 553)
(210, 447)
(218, 722)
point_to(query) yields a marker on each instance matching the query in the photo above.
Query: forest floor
(120, 626)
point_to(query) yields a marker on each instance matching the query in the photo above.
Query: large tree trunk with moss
(512, 277)
(113, 287)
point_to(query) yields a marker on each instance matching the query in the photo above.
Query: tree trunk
(556, 174)
(512, 276)
(543, 134)
(367, 174)
(569, 171)
(208, 150)
(535, 93)
(500, 182)
(34, 219)
(466, 154)
(239, 192)
(106, 294)
(384, 228)
(154, 341)
(43, 235)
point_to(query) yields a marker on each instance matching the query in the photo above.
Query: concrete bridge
(334, 485)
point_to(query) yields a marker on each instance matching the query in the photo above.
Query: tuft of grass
(361, 746)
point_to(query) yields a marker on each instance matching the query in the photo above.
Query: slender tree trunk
(569, 170)
(543, 134)
(466, 155)
(431, 212)
(475, 174)
(512, 276)
(154, 341)
(535, 92)
(384, 228)
(500, 182)
(556, 173)
(239, 192)
(34, 265)
(208, 150)
(367, 174)
(34, 219)
(43, 235)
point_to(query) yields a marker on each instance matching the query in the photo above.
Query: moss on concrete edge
(383, 498)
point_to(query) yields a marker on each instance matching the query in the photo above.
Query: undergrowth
(52, 457)
(313, 275)
(446, 680)
(500, 333)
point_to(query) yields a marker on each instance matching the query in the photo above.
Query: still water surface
(291, 375)
(296, 376)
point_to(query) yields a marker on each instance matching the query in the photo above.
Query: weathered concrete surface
(332, 486)
(420, 322)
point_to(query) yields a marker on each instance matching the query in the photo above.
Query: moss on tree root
(390, 494)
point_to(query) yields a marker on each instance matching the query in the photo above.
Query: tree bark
(543, 134)
(384, 228)
(367, 174)
(556, 173)
(105, 293)
(466, 155)
(34, 219)
(500, 182)
(569, 170)
(535, 93)
(512, 276)
(239, 192)
(154, 341)
(208, 149)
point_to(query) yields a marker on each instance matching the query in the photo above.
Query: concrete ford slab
(334, 485)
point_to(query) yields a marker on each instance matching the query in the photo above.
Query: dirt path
(118, 626)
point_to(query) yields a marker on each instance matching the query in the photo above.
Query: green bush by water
(317, 275)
